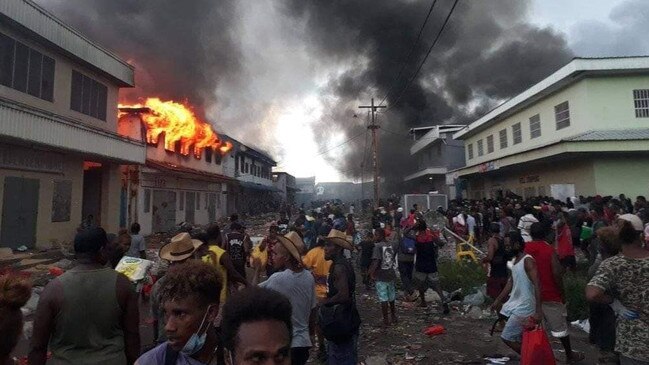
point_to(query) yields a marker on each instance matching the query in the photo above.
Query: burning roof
(179, 124)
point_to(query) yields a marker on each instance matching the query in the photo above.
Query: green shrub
(461, 275)
(574, 285)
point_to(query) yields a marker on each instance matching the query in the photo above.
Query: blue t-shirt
(156, 356)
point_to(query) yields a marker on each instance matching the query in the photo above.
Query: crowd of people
(224, 300)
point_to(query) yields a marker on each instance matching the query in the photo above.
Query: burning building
(184, 177)
(60, 153)
(191, 173)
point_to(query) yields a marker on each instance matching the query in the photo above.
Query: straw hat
(181, 247)
(293, 243)
(339, 238)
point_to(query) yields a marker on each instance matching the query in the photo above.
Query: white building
(285, 183)
(59, 148)
(171, 187)
(584, 130)
(436, 153)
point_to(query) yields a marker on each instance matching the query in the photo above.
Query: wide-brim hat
(339, 238)
(293, 244)
(180, 248)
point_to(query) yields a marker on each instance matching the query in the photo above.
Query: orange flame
(179, 125)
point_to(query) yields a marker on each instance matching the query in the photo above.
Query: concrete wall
(159, 181)
(574, 94)
(46, 230)
(595, 103)
(63, 87)
(628, 175)
(533, 177)
(609, 102)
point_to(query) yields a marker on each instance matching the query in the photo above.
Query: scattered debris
(22, 248)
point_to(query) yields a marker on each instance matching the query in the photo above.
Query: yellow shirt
(215, 254)
(314, 260)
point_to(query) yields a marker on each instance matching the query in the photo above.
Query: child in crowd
(383, 271)
(138, 245)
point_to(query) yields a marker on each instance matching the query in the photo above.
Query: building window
(147, 200)
(480, 148)
(181, 205)
(490, 143)
(247, 168)
(503, 138)
(208, 155)
(88, 96)
(218, 157)
(562, 115)
(641, 101)
(535, 126)
(25, 69)
(516, 133)
(197, 199)
(469, 150)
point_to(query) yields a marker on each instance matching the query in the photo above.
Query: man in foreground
(342, 283)
(298, 285)
(550, 276)
(190, 297)
(525, 298)
(88, 315)
(257, 327)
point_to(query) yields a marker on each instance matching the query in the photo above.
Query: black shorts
(569, 262)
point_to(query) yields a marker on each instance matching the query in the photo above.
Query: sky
(592, 28)
(287, 76)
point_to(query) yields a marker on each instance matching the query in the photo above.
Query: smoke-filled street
(379, 182)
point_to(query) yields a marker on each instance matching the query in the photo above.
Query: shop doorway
(91, 203)
(19, 212)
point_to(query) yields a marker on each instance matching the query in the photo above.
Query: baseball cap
(635, 221)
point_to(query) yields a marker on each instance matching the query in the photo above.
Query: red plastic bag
(435, 330)
(536, 349)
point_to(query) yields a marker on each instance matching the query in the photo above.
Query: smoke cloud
(243, 63)
(488, 53)
(181, 49)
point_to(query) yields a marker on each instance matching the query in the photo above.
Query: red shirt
(564, 242)
(542, 253)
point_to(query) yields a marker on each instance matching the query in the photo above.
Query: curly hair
(252, 305)
(192, 278)
(609, 241)
(15, 291)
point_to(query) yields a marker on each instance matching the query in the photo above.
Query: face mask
(196, 342)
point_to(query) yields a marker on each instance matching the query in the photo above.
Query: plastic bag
(536, 349)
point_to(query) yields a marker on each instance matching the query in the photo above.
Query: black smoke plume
(488, 53)
(181, 49)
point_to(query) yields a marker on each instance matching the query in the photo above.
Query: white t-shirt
(299, 288)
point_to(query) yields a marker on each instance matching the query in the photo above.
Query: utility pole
(375, 146)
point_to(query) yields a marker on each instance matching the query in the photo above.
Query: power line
(439, 34)
(412, 49)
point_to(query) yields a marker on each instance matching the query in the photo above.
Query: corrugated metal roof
(47, 26)
(612, 135)
(34, 126)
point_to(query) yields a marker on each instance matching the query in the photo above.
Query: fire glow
(179, 125)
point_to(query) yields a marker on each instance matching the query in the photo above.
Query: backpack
(408, 246)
